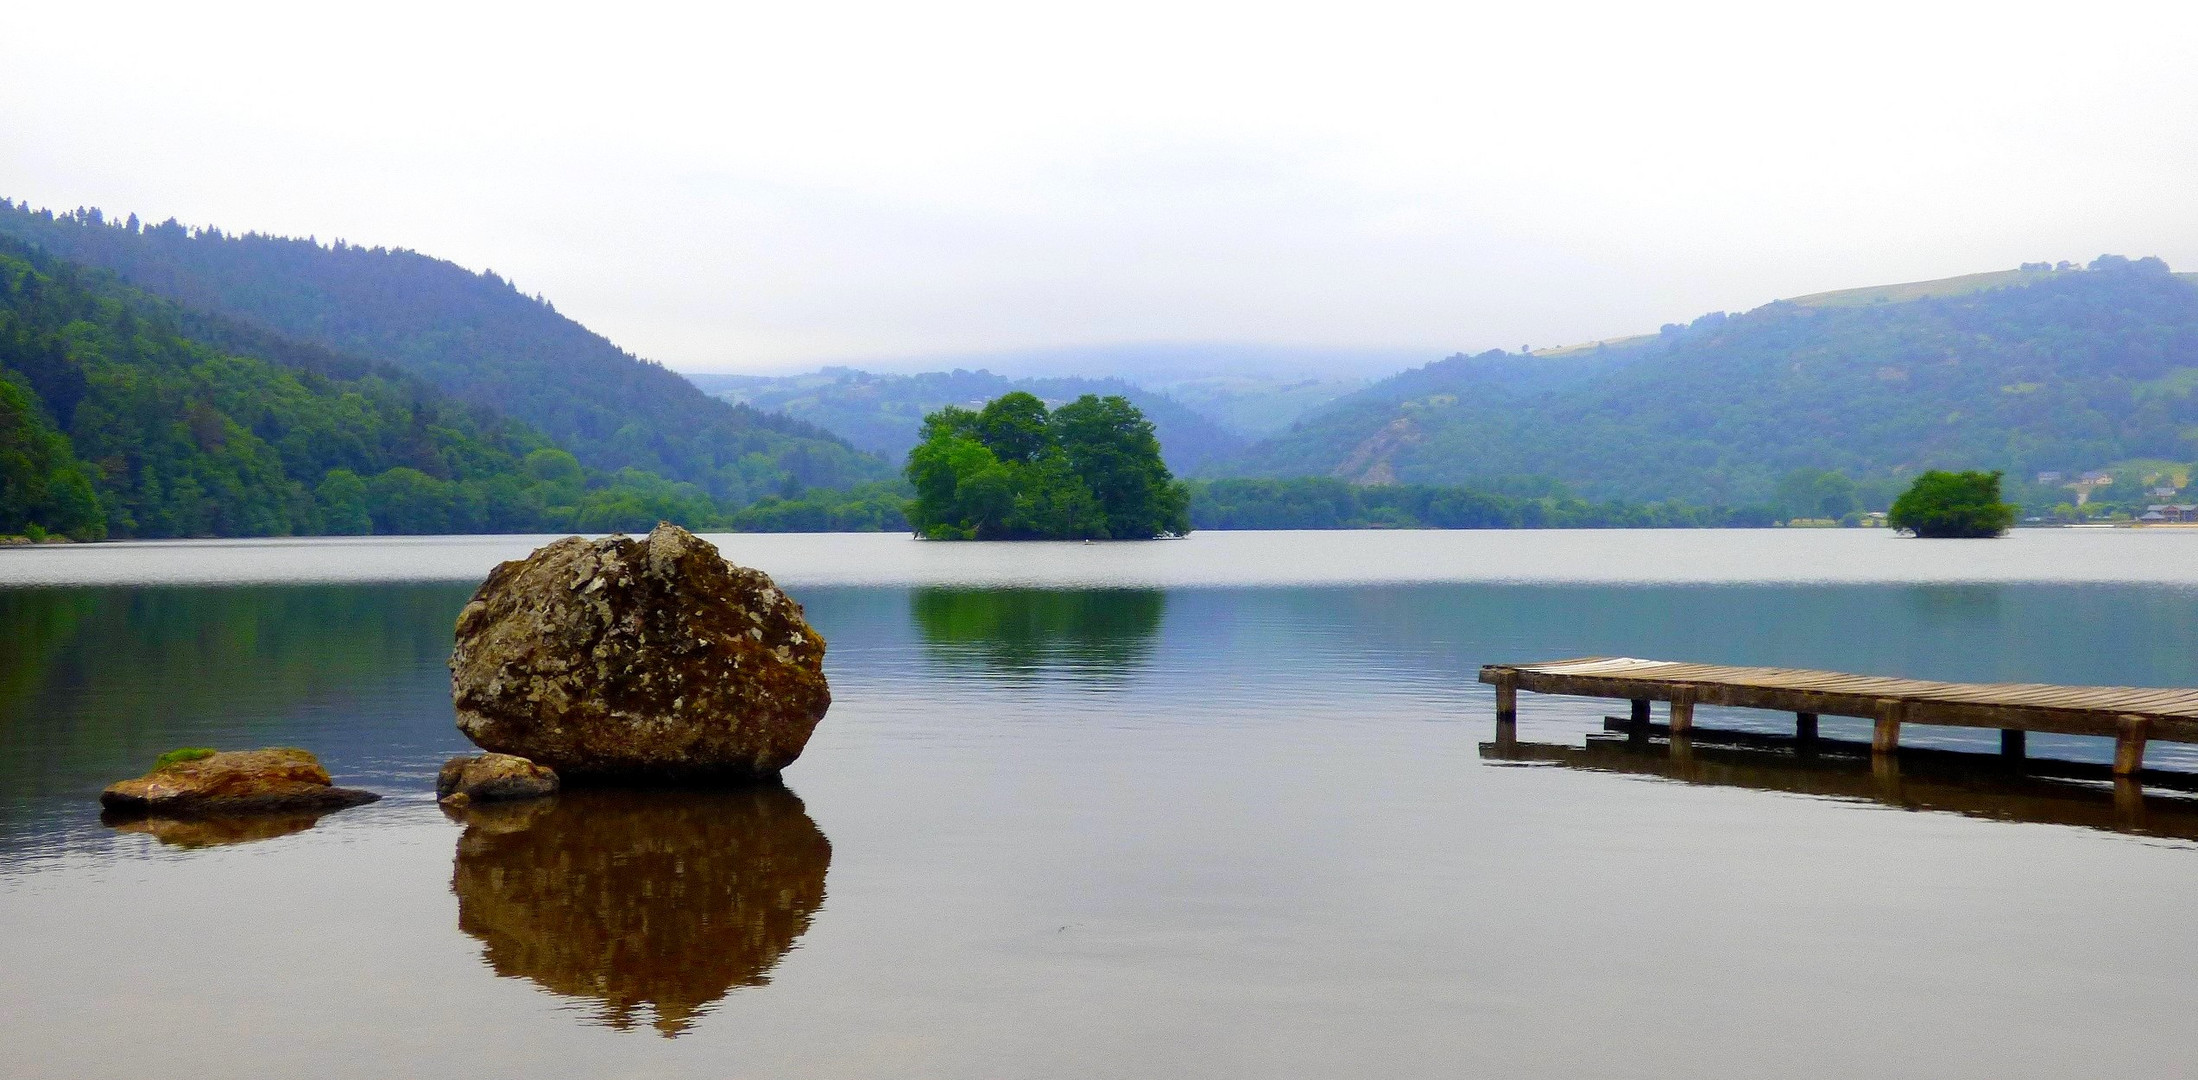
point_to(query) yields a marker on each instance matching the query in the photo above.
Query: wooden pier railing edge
(2132, 716)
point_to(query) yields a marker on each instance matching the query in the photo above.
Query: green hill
(474, 336)
(121, 416)
(884, 413)
(2025, 371)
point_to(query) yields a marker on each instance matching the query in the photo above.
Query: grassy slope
(1903, 292)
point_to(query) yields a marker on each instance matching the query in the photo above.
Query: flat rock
(233, 782)
(490, 777)
(650, 659)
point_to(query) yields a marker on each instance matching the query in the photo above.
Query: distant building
(2048, 479)
(2162, 493)
(2164, 512)
(2097, 479)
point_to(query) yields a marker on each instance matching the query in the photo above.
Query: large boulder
(201, 783)
(638, 659)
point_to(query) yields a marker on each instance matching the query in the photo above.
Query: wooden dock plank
(2156, 713)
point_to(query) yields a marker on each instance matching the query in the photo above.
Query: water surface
(1219, 807)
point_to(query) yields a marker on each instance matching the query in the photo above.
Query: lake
(1225, 806)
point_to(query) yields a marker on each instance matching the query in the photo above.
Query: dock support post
(2014, 743)
(1682, 712)
(1886, 738)
(2129, 747)
(1507, 710)
(1805, 727)
(1640, 712)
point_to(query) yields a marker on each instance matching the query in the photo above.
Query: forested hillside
(474, 336)
(119, 419)
(2061, 369)
(884, 413)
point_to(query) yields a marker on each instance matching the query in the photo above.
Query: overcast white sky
(751, 187)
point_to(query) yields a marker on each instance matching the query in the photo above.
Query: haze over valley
(2047, 369)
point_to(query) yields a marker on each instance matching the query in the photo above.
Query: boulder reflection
(1943, 781)
(1096, 634)
(219, 830)
(663, 899)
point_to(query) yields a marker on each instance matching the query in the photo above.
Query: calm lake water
(1220, 807)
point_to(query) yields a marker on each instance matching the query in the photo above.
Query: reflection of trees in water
(2079, 634)
(1954, 605)
(40, 623)
(664, 899)
(96, 682)
(1024, 632)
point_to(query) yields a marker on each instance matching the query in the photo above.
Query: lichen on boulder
(233, 782)
(651, 659)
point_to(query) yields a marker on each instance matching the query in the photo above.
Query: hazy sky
(728, 187)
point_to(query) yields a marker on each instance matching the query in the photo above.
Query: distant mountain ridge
(882, 413)
(1253, 390)
(472, 335)
(1154, 363)
(2035, 369)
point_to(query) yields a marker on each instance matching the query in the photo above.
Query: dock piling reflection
(1910, 778)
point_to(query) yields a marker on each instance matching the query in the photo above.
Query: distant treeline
(867, 508)
(1302, 503)
(1327, 503)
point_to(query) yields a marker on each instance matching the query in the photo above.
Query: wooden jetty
(2129, 715)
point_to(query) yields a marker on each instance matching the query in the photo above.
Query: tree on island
(1089, 470)
(1947, 504)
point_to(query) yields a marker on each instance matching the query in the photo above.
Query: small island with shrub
(1952, 505)
(1089, 470)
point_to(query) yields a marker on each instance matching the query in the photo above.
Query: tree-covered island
(1089, 470)
(1964, 505)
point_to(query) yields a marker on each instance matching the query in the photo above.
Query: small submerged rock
(201, 783)
(490, 777)
(650, 659)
